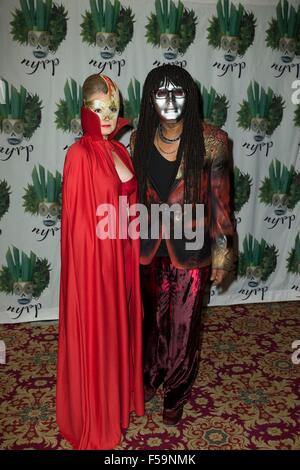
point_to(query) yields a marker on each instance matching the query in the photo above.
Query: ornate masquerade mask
(107, 107)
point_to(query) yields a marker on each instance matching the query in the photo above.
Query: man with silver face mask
(178, 160)
(169, 101)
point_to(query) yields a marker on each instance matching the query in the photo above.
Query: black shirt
(162, 173)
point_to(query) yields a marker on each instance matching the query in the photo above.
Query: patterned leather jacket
(217, 222)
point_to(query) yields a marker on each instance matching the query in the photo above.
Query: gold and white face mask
(108, 107)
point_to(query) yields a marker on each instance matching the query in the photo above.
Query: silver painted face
(254, 275)
(13, 128)
(169, 102)
(107, 43)
(24, 291)
(40, 41)
(230, 46)
(76, 129)
(49, 212)
(169, 44)
(259, 128)
(280, 202)
(287, 48)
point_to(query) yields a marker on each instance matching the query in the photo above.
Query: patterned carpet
(246, 395)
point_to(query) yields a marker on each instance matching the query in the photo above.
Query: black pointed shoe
(172, 417)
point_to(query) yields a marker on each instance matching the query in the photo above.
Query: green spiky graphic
(4, 197)
(257, 254)
(261, 105)
(297, 116)
(21, 267)
(259, 101)
(215, 106)
(14, 105)
(43, 189)
(232, 22)
(69, 108)
(133, 104)
(293, 260)
(172, 20)
(109, 18)
(32, 115)
(168, 16)
(281, 181)
(286, 24)
(21, 105)
(242, 188)
(36, 15)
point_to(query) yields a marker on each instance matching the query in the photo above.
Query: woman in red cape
(99, 376)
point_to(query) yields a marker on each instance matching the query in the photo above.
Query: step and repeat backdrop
(245, 58)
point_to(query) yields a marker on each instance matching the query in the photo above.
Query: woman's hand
(217, 276)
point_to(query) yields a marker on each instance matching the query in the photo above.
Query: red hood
(91, 124)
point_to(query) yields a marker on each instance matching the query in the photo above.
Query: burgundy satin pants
(172, 301)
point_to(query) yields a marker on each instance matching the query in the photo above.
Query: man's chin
(171, 119)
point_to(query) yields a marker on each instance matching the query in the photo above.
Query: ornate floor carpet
(247, 395)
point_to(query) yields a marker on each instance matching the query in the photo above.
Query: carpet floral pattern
(246, 395)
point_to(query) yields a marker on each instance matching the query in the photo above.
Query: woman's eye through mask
(104, 110)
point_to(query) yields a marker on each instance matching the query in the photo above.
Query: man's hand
(217, 276)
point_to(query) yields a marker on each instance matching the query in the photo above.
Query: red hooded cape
(99, 376)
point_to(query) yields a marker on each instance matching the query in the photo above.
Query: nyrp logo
(4, 198)
(283, 36)
(172, 28)
(20, 116)
(281, 190)
(68, 110)
(41, 26)
(257, 261)
(25, 277)
(109, 27)
(214, 106)
(232, 31)
(293, 262)
(261, 114)
(242, 188)
(132, 105)
(43, 198)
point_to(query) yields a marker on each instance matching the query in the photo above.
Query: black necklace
(166, 139)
